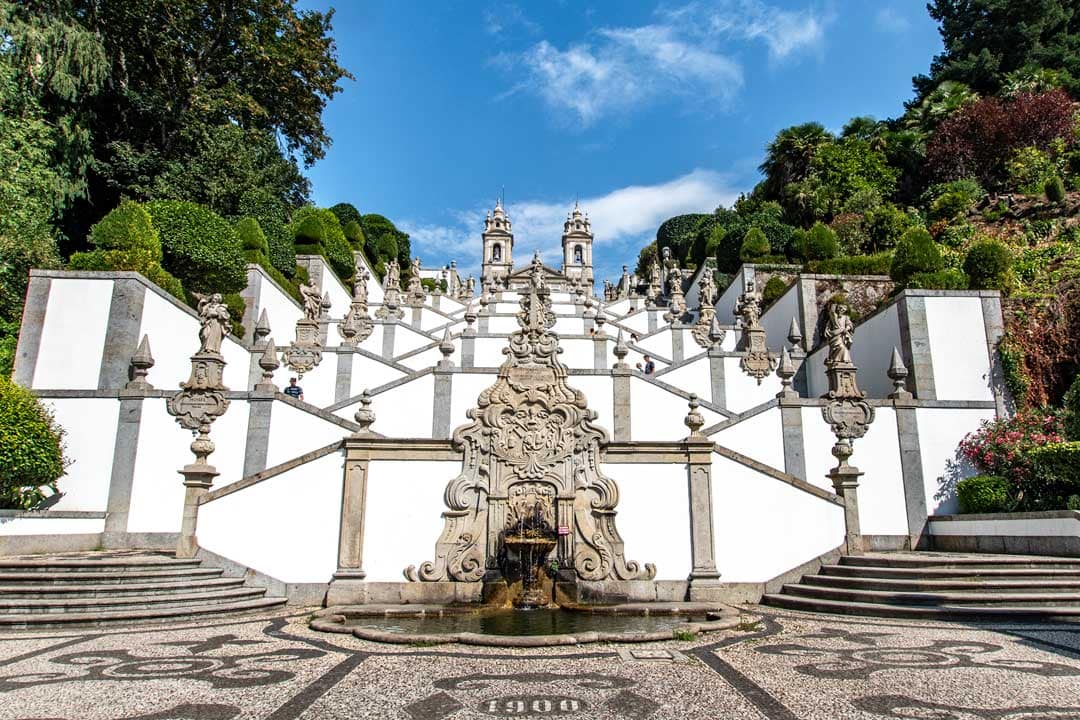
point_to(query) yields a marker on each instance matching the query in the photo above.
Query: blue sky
(642, 110)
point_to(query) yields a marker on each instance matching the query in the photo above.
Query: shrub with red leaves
(1002, 446)
(979, 139)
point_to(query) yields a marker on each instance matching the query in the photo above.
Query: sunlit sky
(639, 110)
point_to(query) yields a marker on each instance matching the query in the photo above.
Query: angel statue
(312, 301)
(214, 316)
(839, 332)
(393, 275)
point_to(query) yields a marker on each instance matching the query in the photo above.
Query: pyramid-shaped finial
(141, 362)
(621, 351)
(446, 347)
(898, 373)
(268, 361)
(794, 334)
(262, 328)
(786, 371)
(716, 333)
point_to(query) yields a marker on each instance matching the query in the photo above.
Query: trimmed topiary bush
(876, 264)
(983, 494)
(950, 279)
(317, 231)
(31, 448)
(354, 234)
(346, 213)
(199, 246)
(256, 248)
(817, 243)
(127, 240)
(272, 216)
(1056, 471)
(772, 291)
(915, 253)
(988, 265)
(754, 245)
(1055, 190)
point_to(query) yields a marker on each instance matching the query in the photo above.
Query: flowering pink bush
(1002, 446)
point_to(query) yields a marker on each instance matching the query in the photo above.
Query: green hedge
(915, 253)
(988, 264)
(127, 227)
(817, 243)
(133, 260)
(983, 494)
(754, 245)
(951, 279)
(774, 288)
(31, 448)
(316, 231)
(1071, 403)
(252, 238)
(876, 264)
(1056, 472)
(272, 216)
(200, 247)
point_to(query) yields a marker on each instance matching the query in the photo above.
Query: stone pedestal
(197, 480)
(846, 484)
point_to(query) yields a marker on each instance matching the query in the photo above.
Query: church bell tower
(577, 242)
(498, 246)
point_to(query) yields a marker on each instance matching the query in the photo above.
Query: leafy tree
(915, 253)
(884, 226)
(272, 215)
(316, 231)
(384, 242)
(940, 103)
(985, 40)
(840, 171)
(788, 157)
(200, 247)
(979, 140)
(354, 234)
(346, 213)
(754, 245)
(646, 258)
(988, 265)
(817, 243)
(31, 448)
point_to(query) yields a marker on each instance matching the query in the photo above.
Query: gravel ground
(789, 665)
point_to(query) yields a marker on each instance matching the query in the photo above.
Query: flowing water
(540, 621)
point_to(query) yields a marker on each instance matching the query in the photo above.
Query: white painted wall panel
(294, 432)
(777, 319)
(90, 436)
(725, 306)
(789, 528)
(465, 391)
(598, 391)
(742, 391)
(428, 358)
(658, 414)
(406, 339)
(872, 351)
(405, 411)
(429, 319)
(818, 440)
(958, 348)
(653, 516)
(340, 296)
(577, 354)
(759, 437)
(488, 352)
(229, 433)
(693, 377)
(318, 384)
(568, 326)
(73, 334)
(404, 515)
(368, 374)
(502, 324)
(51, 526)
(940, 433)
(157, 492)
(372, 343)
(265, 527)
(281, 310)
(660, 343)
(620, 307)
(638, 322)
(881, 489)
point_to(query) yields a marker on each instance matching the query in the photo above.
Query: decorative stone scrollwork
(847, 411)
(201, 399)
(530, 429)
(756, 362)
(357, 325)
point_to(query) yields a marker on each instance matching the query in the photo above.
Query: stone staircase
(100, 588)
(943, 586)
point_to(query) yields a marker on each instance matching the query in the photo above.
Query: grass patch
(684, 635)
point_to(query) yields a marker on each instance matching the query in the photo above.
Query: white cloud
(505, 17)
(888, 20)
(687, 54)
(623, 220)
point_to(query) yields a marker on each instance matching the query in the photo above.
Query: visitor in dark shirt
(649, 368)
(294, 390)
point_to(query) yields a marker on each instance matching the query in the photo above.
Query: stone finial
(446, 347)
(470, 319)
(141, 362)
(600, 320)
(268, 361)
(262, 329)
(794, 334)
(786, 371)
(898, 373)
(364, 416)
(324, 306)
(716, 333)
(590, 310)
(621, 351)
(694, 419)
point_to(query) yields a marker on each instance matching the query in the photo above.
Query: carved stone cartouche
(530, 434)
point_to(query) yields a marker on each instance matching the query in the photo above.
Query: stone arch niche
(531, 432)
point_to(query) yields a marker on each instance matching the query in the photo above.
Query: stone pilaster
(347, 586)
(716, 376)
(468, 351)
(676, 343)
(343, 379)
(417, 316)
(388, 333)
(621, 403)
(122, 332)
(704, 577)
(260, 407)
(653, 320)
(808, 311)
(915, 345)
(122, 479)
(994, 325)
(847, 488)
(600, 356)
(33, 322)
(907, 431)
(792, 428)
(440, 412)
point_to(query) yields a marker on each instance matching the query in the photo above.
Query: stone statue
(536, 274)
(312, 301)
(839, 332)
(748, 306)
(707, 292)
(393, 275)
(415, 268)
(214, 316)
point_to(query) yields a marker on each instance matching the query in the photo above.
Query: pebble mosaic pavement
(788, 666)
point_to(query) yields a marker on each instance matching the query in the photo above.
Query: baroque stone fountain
(527, 540)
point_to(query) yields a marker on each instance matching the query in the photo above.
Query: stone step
(108, 576)
(60, 591)
(964, 562)
(1017, 598)
(973, 574)
(942, 612)
(80, 564)
(16, 606)
(139, 616)
(923, 585)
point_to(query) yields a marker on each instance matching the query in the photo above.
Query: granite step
(940, 612)
(60, 591)
(923, 585)
(972, 574)
(964, 562)
(126, 576)
(140, 616)
(1019, 598)
(17, 606)
(78, 564)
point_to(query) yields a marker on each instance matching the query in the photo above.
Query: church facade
(497, 268)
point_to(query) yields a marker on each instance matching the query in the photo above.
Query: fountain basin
(574, 625)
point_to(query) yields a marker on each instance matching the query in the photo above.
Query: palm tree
(788, 156)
